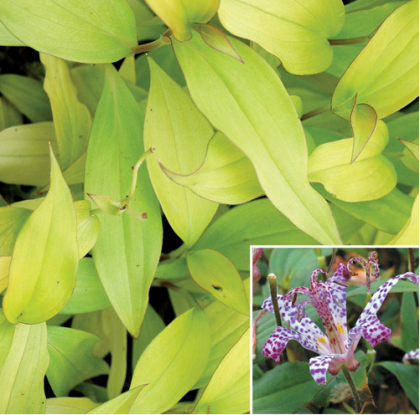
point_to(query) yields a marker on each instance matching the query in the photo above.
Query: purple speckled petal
(278, 340)
(319, 365)
(300, 322)
(337, 302)
(412, 354)
(368, 325)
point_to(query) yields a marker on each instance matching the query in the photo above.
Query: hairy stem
(353, 389)
(254, 332)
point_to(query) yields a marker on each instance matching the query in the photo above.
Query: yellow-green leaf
(179, 15)
(121, 404)
(371, 177)
(11, 221)
(9, 115)
(24, 155)
(69, 405)
(45, 256)
(71, 358)
(225, 176)
(259, 117)
(294, 32)
(23, 371)
(385, 73)
(163, 364)
(88, 285)
(4, 271)
(116, 334)
(363, 119)
(410, 155)
(126, 246)
(223, 336)
(27, 95)
(72, 120)
(179, 134)
(217, 40)
(7, 331)
(254, 223)
(409, 234)
(7, 39)
(97, 31)
(215, 273)
(228, 389)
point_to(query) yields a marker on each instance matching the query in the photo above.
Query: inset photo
(335, 330)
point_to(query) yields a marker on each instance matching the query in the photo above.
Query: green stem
(351, 41)
(411, 260)
(315, 112)
(272, 281)
(353, 389)
(147, 47)
(332, 260)
(321, 258)
(135, 172)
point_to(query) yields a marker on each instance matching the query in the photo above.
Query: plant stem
(332, 260)
(254, 332)
(272, 280)
(350, 41)
(411, 260)
(135, 172)
(353, 389)
(315, 112)
(147, 47)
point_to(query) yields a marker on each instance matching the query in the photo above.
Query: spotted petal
(337, 302)
(412, 354)
(319, 365)
(368, 324)
(300, 322)
(278, 340)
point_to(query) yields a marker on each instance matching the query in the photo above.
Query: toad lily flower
(337, 346)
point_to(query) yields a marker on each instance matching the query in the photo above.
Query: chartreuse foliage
(217, 113)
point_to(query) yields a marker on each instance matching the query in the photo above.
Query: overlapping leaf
(45, 256)
(258, 116)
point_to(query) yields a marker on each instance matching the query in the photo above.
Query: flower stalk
(353, 389)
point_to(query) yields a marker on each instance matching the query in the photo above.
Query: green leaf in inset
(72, 120)
(408, 376)
(24, 153)
(126, 246)
(402, 287)
(162, 365)
(225, 176)
(98, 31)
(27, 95)
(23, 371)
(69, 405)
(259, 117)
(385, 73)
(279, 393)
(363, 119)
(215, 273)
(88, 285)
(71, 358)
(371, 177)
(254, 223)
(180, 134)
(45, 255)
(409, 234)
(179, 15)
(409, 324)
(122, 404)
(298, 35)
(228, 389)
